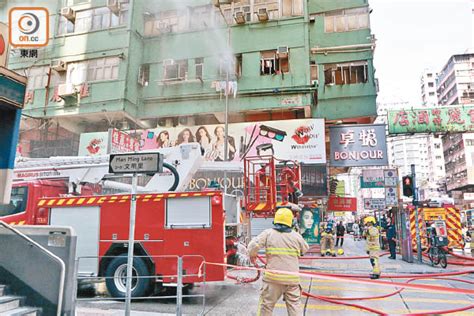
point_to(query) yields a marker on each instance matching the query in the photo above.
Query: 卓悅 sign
(358, 145)
(431, 120)
(342, 204)
(136, 163)
(374, 204)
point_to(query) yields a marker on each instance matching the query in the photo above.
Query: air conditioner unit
(69, 14)
(262, 15)
(282, 51)
(168, 62)
(239, 18)
(114, 6)
(66, 90)
(58, 65)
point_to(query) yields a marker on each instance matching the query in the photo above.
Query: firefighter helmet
(369, 219)
(284, 216)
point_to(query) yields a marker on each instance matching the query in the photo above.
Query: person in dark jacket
(340, 230)
(391, 238)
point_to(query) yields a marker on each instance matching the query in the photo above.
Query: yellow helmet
(369, 219)
(284, 216)
(340, 251)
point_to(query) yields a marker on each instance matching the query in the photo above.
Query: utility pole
(417, 224)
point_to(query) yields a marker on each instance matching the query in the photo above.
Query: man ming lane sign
(136, 163)
(358, 145)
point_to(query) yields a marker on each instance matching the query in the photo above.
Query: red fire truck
(170, 224)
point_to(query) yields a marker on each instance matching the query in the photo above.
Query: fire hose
(411, 278)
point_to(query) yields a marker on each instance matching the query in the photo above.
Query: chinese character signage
(121, 142)
(431, 120)
(342, 204)
(309, 225)
(111, 142)
(358, 145)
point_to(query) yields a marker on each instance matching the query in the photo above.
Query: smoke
(202, 18)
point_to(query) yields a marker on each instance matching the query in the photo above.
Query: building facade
(456, 80)
(142, 64)
(429, 95)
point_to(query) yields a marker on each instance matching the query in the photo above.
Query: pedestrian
(372, 245)
(391, 238)
(340, 230)
(282, 246)
(355, 228)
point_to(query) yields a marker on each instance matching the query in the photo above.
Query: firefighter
(327, 239)
(373, 245)
(282, 246)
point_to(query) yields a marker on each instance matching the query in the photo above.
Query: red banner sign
(342, 204)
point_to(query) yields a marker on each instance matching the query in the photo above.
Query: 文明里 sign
(431, 120)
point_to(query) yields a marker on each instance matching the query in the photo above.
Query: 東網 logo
(28, 27)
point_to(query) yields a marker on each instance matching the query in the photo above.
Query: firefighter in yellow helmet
(282, 246)
(327, 239)
(373, 245)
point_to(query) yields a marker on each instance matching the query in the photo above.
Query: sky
(413, 35)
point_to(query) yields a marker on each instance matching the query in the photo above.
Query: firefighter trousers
(327, 244)
(374, 261)
(271, 293)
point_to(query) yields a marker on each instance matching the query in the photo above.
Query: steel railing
(179, 280)
(48, 254)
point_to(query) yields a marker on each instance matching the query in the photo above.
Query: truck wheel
(116, 276)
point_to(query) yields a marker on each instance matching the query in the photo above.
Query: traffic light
(407, 186)
(333, 185)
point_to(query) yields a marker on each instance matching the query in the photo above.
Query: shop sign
(358, 145)
(431, 120)
(342, 204)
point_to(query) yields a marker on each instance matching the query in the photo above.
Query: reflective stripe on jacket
(282, 251)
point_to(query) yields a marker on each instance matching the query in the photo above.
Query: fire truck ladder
(270, 183)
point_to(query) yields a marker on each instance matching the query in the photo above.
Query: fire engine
(59, 191)
(447, 213)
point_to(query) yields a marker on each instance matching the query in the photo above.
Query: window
(144, 75)
(17, 203)
(65, 26)
(190, 212)
(313, 71)
(37, 78)
(431, 84)
(430, 75)
(438, 157)
(292, 7)
(175, 70)
(346, 20)
(96, 19)
(431, 94)
(238, 65)
(271, 63)
(200, 17)
(102, 69)
(346, 73)
(199, 65)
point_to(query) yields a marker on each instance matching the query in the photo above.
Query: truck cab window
(17, 203)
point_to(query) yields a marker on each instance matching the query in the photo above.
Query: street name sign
(374, 204)
(136, 163)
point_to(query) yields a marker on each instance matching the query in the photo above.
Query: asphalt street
(229, 298)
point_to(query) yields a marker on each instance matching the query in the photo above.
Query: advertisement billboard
(301, 140)
(309, 225)
(358, 145)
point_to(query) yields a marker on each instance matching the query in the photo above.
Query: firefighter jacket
(282, 250)
(372, 236)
